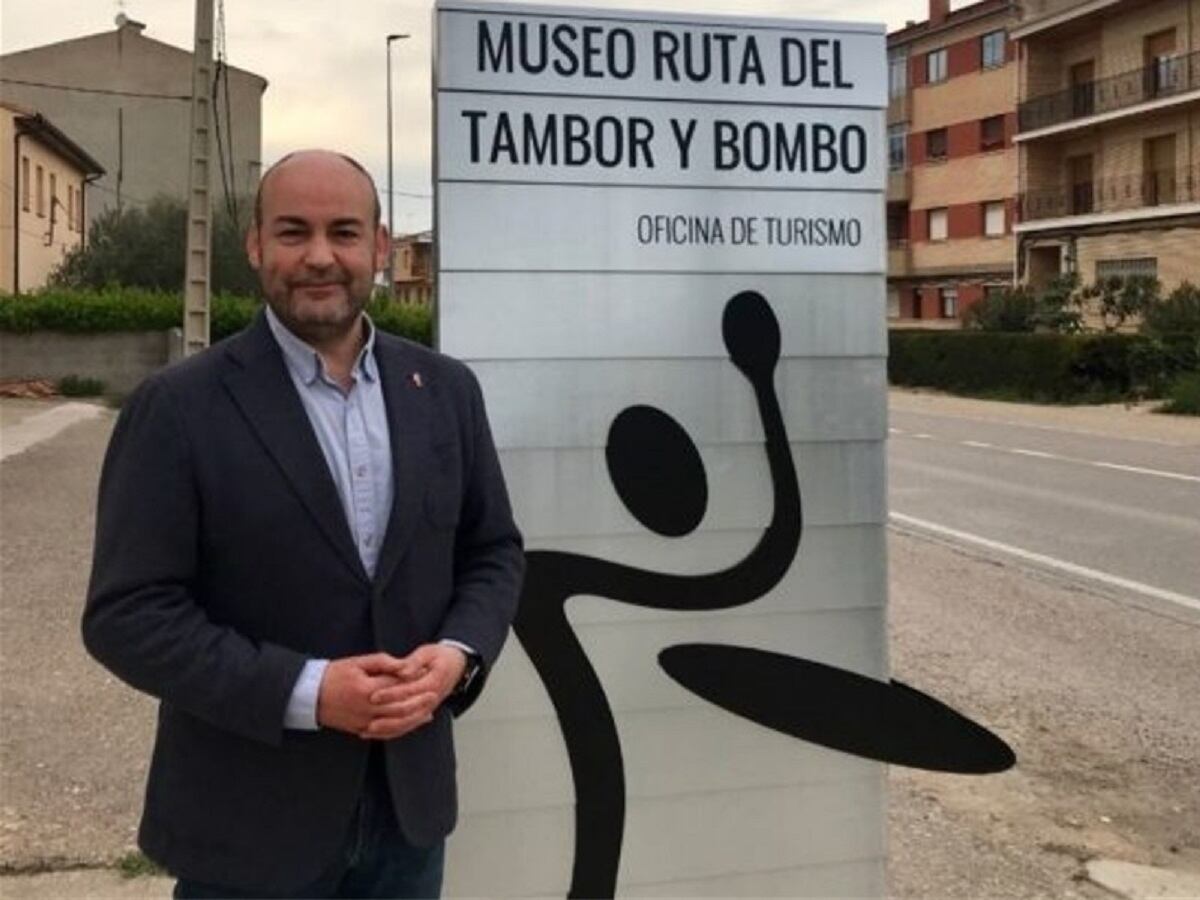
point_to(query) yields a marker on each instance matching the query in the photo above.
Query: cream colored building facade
(134, 115)
(1109, 139)
(952, 163)
(44, 178)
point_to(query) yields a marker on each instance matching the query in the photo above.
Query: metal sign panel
(661, 249)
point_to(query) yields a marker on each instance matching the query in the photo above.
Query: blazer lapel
(409, 407)
(264, 392)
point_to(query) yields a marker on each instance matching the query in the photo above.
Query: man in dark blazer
(305, 550)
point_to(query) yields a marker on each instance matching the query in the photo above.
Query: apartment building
(412, 267)
(44, 176)
(126, 97)
(1109, 139)
(952, 163)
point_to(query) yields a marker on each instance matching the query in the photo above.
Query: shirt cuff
(301, 712)
(465, 648)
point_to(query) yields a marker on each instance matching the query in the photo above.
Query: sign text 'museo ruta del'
(640, 59)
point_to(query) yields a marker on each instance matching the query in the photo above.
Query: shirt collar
(305, 362)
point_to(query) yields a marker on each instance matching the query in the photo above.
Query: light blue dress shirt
(351, 427)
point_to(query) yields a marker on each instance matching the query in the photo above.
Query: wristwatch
(470, 673)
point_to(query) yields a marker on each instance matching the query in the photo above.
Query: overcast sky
(326, 65)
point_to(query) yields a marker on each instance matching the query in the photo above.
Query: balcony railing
(1164, 78)
(1125, 192)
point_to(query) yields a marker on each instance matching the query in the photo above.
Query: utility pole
(197, 265)
(391, 222)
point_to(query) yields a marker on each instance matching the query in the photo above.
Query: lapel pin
(416, 380)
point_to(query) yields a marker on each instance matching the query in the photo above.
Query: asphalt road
(1093, 683)
(1123, 506)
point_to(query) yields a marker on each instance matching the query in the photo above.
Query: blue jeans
(375, 861)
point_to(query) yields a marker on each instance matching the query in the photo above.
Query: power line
(87, 90)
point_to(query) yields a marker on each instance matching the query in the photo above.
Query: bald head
(312, 163)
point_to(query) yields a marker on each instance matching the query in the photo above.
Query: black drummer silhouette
(657, 471)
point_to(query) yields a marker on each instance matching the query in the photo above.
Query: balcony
(1151, 194)
(1162, 80)
(1042, 15)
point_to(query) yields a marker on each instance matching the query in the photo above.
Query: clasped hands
(379, 696)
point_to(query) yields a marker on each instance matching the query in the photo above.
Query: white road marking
(1058, 428)
(1049, 562)
(41, 427)
(1140, 471)
(1041, 454)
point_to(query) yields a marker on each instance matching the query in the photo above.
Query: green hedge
(1045, 367)
(128, 309)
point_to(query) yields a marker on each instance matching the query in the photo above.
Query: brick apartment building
(952, 163)
(1109, 139)
(412, 267)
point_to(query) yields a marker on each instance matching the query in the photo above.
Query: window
(53, 194)
(992, 49)
(935, 66)
(25, 183)
(939, 228)
(993, 218)
(1123, 268)
(897, 146)
(41, 191)
(991, 133)
(1164, 70)
(893, 303)
(936, 143)
(948, 298)
(897, 74)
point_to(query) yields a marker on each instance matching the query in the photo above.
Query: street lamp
(391, 274)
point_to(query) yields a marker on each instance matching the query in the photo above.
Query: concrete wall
(120, 359)
(46, 231)
(142, 142)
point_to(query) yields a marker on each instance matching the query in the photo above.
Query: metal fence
(1155, 188)
(1165, 77)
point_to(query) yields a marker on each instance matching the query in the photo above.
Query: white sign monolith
(660, 244)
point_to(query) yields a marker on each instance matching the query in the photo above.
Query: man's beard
(320, 321)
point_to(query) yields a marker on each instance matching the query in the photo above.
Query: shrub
(1044, 367)
(1177, 314)
(131, 309)
(80, 386)
(1011, 310)
(1184, 396)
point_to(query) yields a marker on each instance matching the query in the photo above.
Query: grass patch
(1183, 398)
(136, 864)
(80, 386)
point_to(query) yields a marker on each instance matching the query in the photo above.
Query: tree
(1058, 305)
(144, 247)
(1120, 298)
